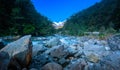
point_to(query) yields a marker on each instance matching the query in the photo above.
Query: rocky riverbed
(60, 52)
(74, 53)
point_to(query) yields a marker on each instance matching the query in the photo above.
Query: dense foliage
(103, 16)
(19, 17)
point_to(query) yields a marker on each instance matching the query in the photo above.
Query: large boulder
(1, 43)
(52, 66)
(4, 60)
(114, 42)
(20, 52)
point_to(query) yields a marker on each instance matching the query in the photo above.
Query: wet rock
(11, 37)
(79, 54)
(40, 60)
(39, 38)
(53, 42)
(93, 41)
(1, 43)
(94, 66)
(4, 60)
(48, 51)
(64, 62)
(93, 58)
(37, 49)
(59, 52)
(33, 69)
(80, 65)
(52, 66)
(72, 50)
(107, 48)
(63, 41)
(111, 62)
(24, 69)
(103, 42)
(20, 52)
(84, 38)
(94, 48)
(114, 42)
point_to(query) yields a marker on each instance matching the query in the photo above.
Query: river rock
(1, 43)
(111, 62)
(53, 42)
(93, 58)
(64, 41)
(40, 60)
(94, 66)
(24, 69)
(59, 52)
(38, 48)
(20, 52)
(52, 66)
(64, 62)
(33, 69)
(4, 60)
(106, 63)
(11, 37)
(114, 42)
(79, 65)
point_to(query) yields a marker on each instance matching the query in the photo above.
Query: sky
(60, 10)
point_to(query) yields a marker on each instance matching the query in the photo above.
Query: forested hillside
(103, 16)
(19, 17)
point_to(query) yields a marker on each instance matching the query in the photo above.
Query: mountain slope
(19, 17)
(101, 16)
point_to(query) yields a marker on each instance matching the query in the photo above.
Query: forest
(101, 17)
(19, 17)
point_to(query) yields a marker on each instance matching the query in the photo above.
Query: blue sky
(60, 10)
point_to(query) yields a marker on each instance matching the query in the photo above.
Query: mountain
(58, 25)
(19, 17)
(102, 16)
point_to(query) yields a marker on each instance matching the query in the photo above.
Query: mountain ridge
(101, 16)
